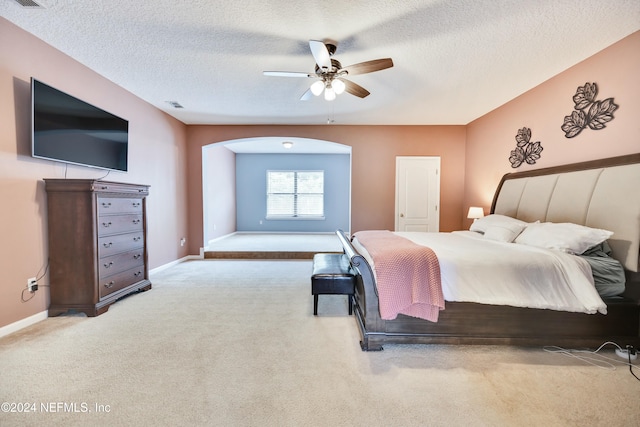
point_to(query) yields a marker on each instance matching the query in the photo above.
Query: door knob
(401, 215)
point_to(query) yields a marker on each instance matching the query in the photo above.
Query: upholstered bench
(332, 275)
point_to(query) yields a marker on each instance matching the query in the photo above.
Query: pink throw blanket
(407, 275)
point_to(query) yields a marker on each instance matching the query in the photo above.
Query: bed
(599, 195)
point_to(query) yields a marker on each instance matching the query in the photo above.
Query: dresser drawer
(121, 280)
(113, 264)
(115, 224)
(118, 188)
(114, 244)
(118, 205)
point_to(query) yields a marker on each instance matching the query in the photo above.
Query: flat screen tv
(69, 130)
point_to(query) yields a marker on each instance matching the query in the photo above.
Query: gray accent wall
(251, 191)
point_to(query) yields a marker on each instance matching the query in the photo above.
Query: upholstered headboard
(600, 194)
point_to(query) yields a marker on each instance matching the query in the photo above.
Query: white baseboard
(206, 248)
(21, 324)
(172, 263)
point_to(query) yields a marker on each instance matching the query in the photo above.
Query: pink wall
(157, 157)
(490, 139)
(374, 149)
(219, 192)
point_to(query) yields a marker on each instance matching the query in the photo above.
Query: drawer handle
(104, 187)
(109, 285)
(135, 239)
(136, 204)
(137, 274)
(107, 245)
(136, 221)
(106, 224)
(137, 256)
(107, 265)
(106, 204)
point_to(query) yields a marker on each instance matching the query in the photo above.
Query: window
(295, 194)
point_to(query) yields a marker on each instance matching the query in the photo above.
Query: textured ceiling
(454, 60)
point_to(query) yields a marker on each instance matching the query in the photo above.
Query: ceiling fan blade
(320, 54)
(369, 66)
(307, 95)
(355, 89)
(287, 74)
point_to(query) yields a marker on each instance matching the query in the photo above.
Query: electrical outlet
(183, 241)
(624, 353)
(32, 284)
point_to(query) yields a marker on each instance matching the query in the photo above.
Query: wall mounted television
(66, 129)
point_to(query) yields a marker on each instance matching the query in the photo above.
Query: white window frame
(294, 215)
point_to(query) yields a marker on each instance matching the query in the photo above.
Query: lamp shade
(329, 93)
(338, 86)
(317, 87)
(475, 212)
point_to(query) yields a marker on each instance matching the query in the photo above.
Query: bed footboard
(367, 313)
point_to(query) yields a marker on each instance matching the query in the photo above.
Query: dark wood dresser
(97, 243)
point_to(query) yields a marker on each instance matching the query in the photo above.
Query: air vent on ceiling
(174, 104)
(29, 4)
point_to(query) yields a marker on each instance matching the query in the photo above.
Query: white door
(417, 194)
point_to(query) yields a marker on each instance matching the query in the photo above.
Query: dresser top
(95, 185)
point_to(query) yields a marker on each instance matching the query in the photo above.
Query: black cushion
(331, 265)
(332, 275)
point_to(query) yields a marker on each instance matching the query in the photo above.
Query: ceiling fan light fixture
(329, 93)
(329, 71)
(317, 87)
(338, 86)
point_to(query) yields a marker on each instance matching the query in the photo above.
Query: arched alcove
(234, 180)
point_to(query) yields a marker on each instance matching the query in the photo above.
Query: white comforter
(474, 269)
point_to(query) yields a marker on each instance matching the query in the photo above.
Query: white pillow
(506, 232)
(482, 224)
(566, 237)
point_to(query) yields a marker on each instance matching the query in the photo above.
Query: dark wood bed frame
(472, 323)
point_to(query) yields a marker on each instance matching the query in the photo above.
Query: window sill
(295, 218)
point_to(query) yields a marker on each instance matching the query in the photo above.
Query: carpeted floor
(244, 245)
(243, 241)
(235, 343)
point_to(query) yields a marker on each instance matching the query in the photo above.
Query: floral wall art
(526, 151)
(588, 111)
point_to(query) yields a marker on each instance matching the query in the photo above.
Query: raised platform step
(258, 255)
(272, 246)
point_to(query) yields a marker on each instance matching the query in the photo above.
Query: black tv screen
(69, 130)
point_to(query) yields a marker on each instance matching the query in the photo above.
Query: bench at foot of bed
(332, 275)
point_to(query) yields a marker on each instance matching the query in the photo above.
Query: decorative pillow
(482, 224)
(505, 232)
(566, 237)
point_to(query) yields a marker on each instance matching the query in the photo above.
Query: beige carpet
(267, 242)
(235, 343)
(284, 246)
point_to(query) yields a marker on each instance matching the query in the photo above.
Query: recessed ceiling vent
(174, 104)
(30, 4)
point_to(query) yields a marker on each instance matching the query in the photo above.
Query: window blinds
(295, 194)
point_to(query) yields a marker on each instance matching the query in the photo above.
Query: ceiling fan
(332, 74)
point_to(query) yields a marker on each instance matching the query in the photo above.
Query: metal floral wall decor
(526, 151)
(588, 111)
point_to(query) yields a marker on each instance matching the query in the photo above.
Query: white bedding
(474, 269)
